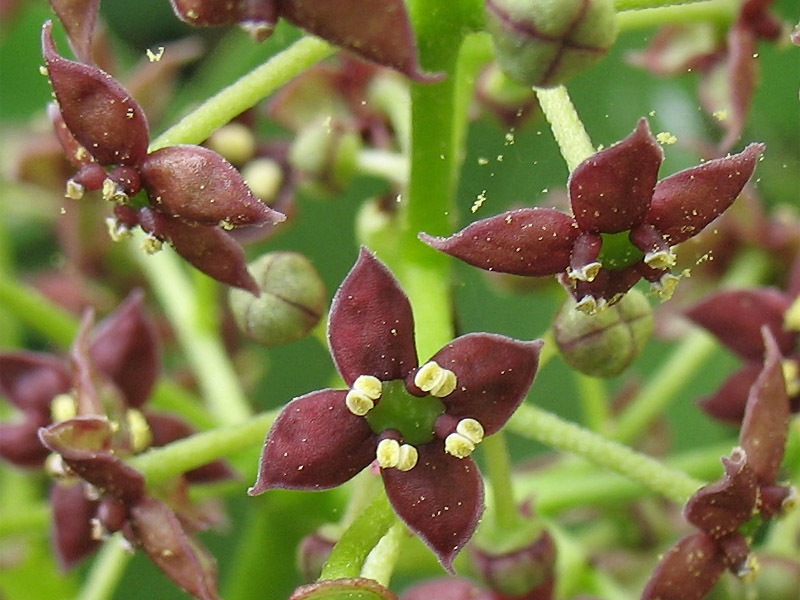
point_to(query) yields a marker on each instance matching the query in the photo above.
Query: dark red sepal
(30, 380)
(20, 445)
(196, 184)
(99, 112)
(316, 443)
(440, 499)
(728, 403)
(160, 533)
(721, 507)
(72, 528)
(79, 18)
(494, 374)
(611, 190)
(687, 571)
(528, 241)
(684, 203)
(371, 326)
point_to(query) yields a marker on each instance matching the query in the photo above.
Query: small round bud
(291, 303)
(264, 177)
(545, 42)
(234, 141)
(326, 153)
(520, 571)
(605, 343)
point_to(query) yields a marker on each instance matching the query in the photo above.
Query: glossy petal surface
(611, 191)
(528, 241)
(766, 420)
(371, 327)
(440, 499)
(736, 318)
(684, 203)
(316, 443)
(99, 112)
(494, 374)
(196, 184)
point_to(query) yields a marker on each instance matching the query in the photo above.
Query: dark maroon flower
(624, 223)
(736, 319)
(748, 488)
(421, 423)
(194, 195)
(728, 65)
(376, 30)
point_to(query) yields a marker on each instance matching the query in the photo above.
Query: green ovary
(412, 416)
(618, 252)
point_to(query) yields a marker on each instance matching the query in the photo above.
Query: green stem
(159, 464)
(498, 460)
(349, 554)
(594, 401)
(218, 381)
(106, 570)
(36, 311)
(244, 93)
(568, 129)
(549, 429)
(381, 163)
(712, 11)
(26, 520)
(621, 5)
(381, 562)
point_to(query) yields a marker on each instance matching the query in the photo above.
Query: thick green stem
(381, 561)
(106, 570)
(36, 311)
(159, 464)
(498, 460)
(198, 337)
(568, 129)
(594, 401)
(244, 93)
(621, 5)
(547, 428)
(713, 11)
(349, 554)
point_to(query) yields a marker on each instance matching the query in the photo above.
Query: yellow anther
(471, 430)
(749, 570)
(586, 272)
(791, 318)
(151, 244)
(791, 376)
(369, 386)
(358, 403)
(408, 457)
(388, 453)
(435, 380)
(663, 259)
(116, 230)
(74, 190)
(141, 435)
(63, 407)
(457, 445)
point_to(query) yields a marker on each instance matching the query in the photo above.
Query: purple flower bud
(520, 571)
(687, 571)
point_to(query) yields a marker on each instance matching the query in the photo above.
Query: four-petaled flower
(624, 223)
(420, 422)
(194, 195)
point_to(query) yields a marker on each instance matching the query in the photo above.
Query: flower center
(617, 251)
(411, 416)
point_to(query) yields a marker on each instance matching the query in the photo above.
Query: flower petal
(687, 571)
(528, 241)
(98, 111)
(30, 380)
(196, 184)
(737, 317)
(315, 444)
(210, 249)
(440, 499)
(684, 203)
(72, 528)
(493, 372)
(611, 191)
(20, 445)
(377, 30)
(728, 403)
(371, 327)
(766, 420)
(79, 18)
(723, 506)
(187, 562)
(126, 348)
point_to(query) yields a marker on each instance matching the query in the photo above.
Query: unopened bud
(518, 572)
(326, 153)
(605, 343)
(234, 141)
(545, 42)
(291, 303)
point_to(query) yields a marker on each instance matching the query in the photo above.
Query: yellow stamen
(74, 190)
(435, 380)
(470, 429)
(408, 457)
(457, 445)
(141, 435)
(586, 272)
(663, 259)
(63, 408)
(388, 453)
(361, 399)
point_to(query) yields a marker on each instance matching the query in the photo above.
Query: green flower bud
(291, 303)
(605, 343)
(235, 142)
(545, 42)
(326, 154)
